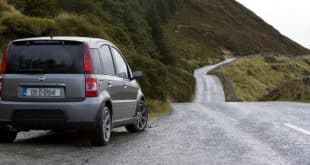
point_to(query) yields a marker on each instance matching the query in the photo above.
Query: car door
(130, 88)
(109, 81)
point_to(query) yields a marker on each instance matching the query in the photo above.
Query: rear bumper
(48, 125)
(50, 115)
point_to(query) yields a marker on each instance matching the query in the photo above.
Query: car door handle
(125, 86)
(110, 84)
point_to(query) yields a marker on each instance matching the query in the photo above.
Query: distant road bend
(207, 131)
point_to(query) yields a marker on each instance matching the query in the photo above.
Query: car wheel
(102, 134)
(7, 136)
(141, 118)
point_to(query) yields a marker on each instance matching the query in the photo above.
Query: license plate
(41, 92)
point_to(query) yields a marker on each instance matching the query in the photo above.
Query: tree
(158, 36)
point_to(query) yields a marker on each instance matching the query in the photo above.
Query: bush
(154, 80)
(72, 25)
(79, 7)
(23, 26)
(38, 8)
(158, 107)
(120, 37)
(3, 7)
(181, 85)
(295, 90)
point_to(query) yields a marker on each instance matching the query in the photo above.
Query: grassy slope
(296, 89)
(195, 35)
(254, 77)
(211, 25)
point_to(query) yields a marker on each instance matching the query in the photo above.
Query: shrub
(68, 24)
(38, 8)
(158, 107)
(3, 7)
(154, 80)
(296, 90)
(181, 85)
(23, 26)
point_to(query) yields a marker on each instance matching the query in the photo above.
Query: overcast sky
(290, 17)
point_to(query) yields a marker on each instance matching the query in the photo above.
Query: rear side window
(107, 61)
(54, 57)
(96, 61)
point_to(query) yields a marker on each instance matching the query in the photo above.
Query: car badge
(42, 78)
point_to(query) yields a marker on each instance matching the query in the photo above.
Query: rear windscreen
(54, 57)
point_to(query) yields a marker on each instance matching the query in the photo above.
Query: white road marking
(297, 128)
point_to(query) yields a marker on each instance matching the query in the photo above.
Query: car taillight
(4, 60)
(88, 65)
(1, 82)
(91, 88)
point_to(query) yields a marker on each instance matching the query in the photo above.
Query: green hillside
(166, 39)
(222, 24)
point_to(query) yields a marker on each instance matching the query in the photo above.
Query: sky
(290, 17)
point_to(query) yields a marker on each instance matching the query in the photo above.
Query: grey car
(74, 83)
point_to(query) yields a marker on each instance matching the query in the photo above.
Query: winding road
(206, 131)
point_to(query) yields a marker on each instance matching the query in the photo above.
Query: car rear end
(48, 84)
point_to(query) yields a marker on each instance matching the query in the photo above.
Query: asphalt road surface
(207, 131)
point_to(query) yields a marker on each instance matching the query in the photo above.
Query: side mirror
(136, 75)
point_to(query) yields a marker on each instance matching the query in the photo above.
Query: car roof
(92, 42)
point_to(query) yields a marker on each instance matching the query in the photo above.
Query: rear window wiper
(30, 71)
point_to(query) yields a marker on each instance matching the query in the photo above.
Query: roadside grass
(158, 108)
(304, 61)
(256, 77)
(291, 90)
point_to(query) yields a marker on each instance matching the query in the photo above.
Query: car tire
(7, 136)
(141, 119)
(102, 134)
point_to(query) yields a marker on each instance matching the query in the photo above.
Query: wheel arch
(142, 99)
(105, 102)
(140, 96)
(108, 103)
